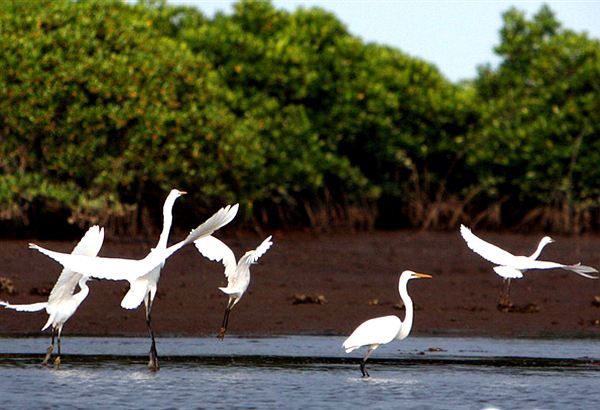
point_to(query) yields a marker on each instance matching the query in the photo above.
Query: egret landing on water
(63, 302)
(381, 330)
(238, 275)
(133, 269)
(144, 288)
(512, 267)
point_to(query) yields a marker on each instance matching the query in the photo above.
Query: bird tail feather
(583, 270)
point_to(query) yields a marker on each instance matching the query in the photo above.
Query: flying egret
(133, 269)
(144, 288)
(511, 266)
(381, 330)
(63, 302)
(237, 274)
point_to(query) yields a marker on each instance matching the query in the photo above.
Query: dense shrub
(106, 105)
(537, 146)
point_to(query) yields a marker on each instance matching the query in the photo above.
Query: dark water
(303, 372)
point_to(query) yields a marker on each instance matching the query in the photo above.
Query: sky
(456, 36)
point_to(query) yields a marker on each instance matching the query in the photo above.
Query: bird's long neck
(538, 251)
(167, 221)
(84, 290)
(408, 305)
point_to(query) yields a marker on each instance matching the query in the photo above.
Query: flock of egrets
(143, 276)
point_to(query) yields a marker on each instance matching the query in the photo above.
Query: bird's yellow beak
(423, 275)
(182, 192)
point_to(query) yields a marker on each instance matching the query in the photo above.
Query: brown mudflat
(327, 284)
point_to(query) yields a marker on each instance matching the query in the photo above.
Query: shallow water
(300, 372)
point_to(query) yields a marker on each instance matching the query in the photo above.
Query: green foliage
(538, 140)
(108, 104)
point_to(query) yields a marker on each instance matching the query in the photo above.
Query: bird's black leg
(50, 349)
(363, 364)
(223, 329)
(153, 355)
(363, 368)
(57, 360)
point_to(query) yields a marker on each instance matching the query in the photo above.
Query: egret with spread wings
(63, 301)
(237, 274)
(512, 267)
(133, 269)
(144, 288)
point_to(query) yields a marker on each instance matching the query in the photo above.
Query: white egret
(237, 274)
(381, 330)
(63, 302)
(144, 288)
(133, 269)
(511, 266)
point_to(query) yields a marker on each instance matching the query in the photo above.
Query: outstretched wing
(96, 266)
(215, 250)
(221, 218)
(485, 249)
(34, 307)
(131, 269)
(89, 245)
(252, 256)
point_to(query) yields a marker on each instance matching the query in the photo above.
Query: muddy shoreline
(348, 277)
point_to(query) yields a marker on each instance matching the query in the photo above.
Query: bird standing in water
(381, 330)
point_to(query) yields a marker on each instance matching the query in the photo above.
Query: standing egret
(511, 266)
(382, 330)
(237, 274)
(144, 288)
(63, 302)
(133, 269)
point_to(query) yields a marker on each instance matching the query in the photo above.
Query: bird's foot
(48, 354)
(57, 362)
(504, 303)
(221, 334)
(153, 362)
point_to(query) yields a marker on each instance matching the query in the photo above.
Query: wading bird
(237, 274)
(512, 267)
(381, 330)
(144, 288)
(133, 269)
(63, 302)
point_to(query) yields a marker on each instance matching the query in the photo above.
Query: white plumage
(237, 274)
(142, 274)
(63, 302)
(510, 263)
(381, 330)
(512, 266)
(132, 269)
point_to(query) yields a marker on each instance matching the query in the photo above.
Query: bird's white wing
(376, 331)
(131, 269)
(34, 307)
(215, 250)
(221, 218)
(89, 245)
(96, 266)
(485, 249)
(252, 256)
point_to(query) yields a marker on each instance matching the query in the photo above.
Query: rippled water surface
(303, 372)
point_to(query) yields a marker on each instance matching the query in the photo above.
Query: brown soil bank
(353, 276)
